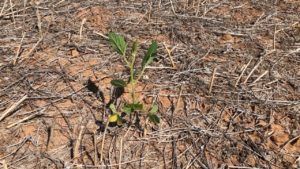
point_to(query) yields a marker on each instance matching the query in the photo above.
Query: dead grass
(226, 80)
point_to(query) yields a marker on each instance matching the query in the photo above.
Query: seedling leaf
(113, 108)
(154, 109)
(118, 43)
(118, 83)
(129, 108)
(148, 58)
(153, 118)
(137, 106)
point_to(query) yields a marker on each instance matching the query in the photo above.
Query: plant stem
(103, 140)
(141, 74)
(132, 80)
(126, 61)
(133, 92)
(132, 84)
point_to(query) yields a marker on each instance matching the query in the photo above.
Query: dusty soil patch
(232, 100)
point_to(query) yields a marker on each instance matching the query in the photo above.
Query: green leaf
(153, 118)
(148, 58)
(118, 43)
(137, 106)
(129, 108)
(113, 108)
(118, 83)
(154, 109)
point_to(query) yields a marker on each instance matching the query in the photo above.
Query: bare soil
(228, 90)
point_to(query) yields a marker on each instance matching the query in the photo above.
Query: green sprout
(120, 46)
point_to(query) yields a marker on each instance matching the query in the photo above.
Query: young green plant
(120, 46)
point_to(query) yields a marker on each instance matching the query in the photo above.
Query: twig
(95, 149)
(258, 78)
(55, 5)
(109, 165)
(13, 107)
(4, 5)
(159, 67)
(212, 79)
(81, 28)
(231, 33)
(25, 119)
(274, 81)
(78, 142)
(102, 144)
(297, 161)
(201, 58)
(149, 11)
(167, 162)
(243, 71)
(257, 64)
(20, 145)
(4, 164)
(121, 148)
(289, 141)
(242, 167)
(177, 104)
(173, 9)
(39, 22)
(293, 51)
(16, 11)
(102, 35)
(198, 8)
(195, 159)
(174, 153)
(33, 48)
(19, 48)
(169, 54)
(254, 68)
(12, 10)
(274, 37)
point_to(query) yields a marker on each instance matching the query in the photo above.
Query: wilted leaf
(118, 83)
(120, 122)
(154, 109)
(153, 118)
(118, 43)
(150, 54)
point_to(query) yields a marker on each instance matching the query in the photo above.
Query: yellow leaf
(113, 118)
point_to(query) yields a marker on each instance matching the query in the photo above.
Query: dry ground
(228, 92)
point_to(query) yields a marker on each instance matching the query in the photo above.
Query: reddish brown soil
(246, 117)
